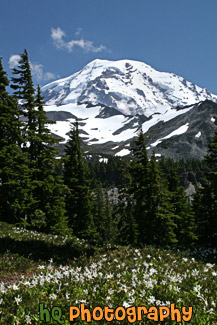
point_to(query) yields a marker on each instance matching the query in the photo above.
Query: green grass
(119, 277)
(39, 246)
(14, 263)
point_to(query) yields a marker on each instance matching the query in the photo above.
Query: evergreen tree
(48, 186)
(151, 207)
(46, 207)
(138, 192)
(163, 218)
(205, 200)
(123, 213)
(24, 92)
(78, 197)
(13, 170)
(186, 228)
(103, 221)
(125, 225)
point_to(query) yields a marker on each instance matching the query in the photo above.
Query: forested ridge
(74, 195)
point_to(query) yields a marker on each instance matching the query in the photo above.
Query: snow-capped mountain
(129, 86)
(111, 100)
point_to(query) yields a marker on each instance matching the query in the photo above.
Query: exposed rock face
(200, 122)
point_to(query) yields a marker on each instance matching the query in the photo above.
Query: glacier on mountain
(131, 87)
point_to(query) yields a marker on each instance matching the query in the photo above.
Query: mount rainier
(112, 99)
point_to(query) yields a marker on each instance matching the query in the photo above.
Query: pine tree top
(23, 84)
(3, 78)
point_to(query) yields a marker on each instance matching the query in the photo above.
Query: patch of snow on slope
(123, 152)
(61, 128)
(182, 129)
(96, 128)
(198, 135)
(105, 160)
(102, 130)
(168, 115)
(116, 147)
(212, 119)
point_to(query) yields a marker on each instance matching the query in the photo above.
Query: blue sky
(62, 36)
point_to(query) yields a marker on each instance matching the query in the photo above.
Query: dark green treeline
(124, 201)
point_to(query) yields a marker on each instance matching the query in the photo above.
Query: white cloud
(14, 60)
(40, 75)
(50, 76)
(58, 34)
(37, 69)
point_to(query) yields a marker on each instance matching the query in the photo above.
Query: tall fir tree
(24, 91)
(126, 227)
(123, 213)
(13, 169)
(46, 207)
(151, 208)
(138, 189)
(205, 200)
(49, 188)
(103, 221)
(78, 198)
(161, 211)
(186, 227)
